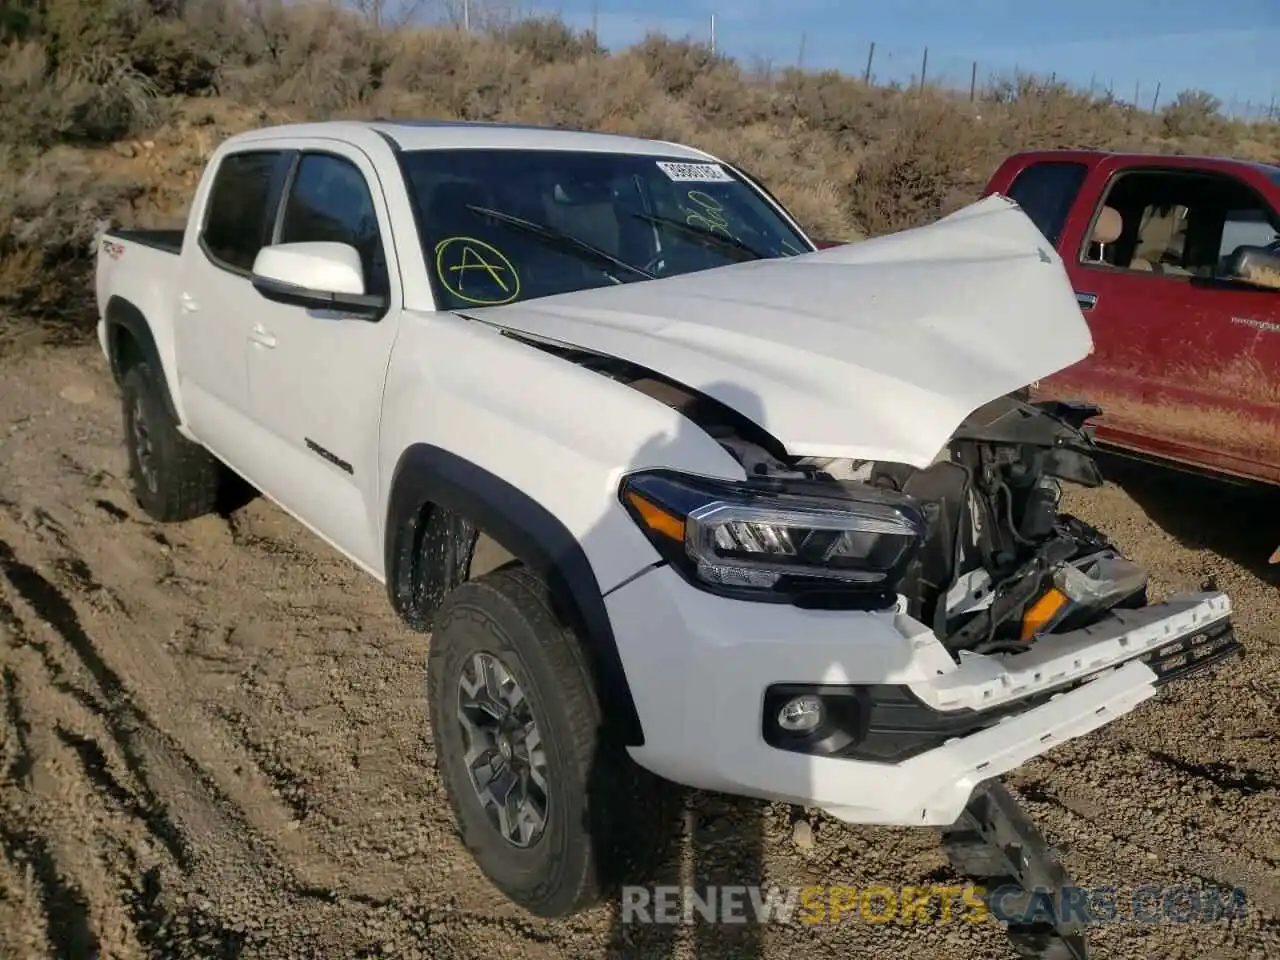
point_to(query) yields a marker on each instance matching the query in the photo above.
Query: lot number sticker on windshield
(694, 172)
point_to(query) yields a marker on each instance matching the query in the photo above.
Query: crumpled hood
(875, 350)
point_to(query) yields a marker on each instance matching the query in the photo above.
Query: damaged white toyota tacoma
(673, 489)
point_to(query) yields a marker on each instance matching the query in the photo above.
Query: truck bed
(139, 266)
(168, 241)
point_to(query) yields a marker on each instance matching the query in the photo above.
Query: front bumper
(699, 667)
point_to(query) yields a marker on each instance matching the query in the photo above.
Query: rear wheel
(173, 478)
(550, 808)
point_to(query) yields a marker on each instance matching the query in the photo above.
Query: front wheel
(546, 804)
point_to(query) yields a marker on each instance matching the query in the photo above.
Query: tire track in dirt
(133, 738)
(21, 760)
(112, 707)
(67, 927)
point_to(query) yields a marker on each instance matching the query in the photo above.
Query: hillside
(108, 108)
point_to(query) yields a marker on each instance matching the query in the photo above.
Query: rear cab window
(241, 210)
(1046, 191)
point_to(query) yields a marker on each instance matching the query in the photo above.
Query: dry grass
(108, 110)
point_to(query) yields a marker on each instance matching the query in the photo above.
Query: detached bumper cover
(700, 667)
(1165, 643)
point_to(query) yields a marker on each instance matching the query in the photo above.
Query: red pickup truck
(1176, 266)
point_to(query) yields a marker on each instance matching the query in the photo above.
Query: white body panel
(148, 279)
(873, 351)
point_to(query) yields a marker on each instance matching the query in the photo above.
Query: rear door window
(1045, 192)
(242, 207)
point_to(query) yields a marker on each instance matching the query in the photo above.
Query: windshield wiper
(566, 242)
(705, 237)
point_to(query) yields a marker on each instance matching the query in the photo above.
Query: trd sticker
(113, 250)
(694, 172)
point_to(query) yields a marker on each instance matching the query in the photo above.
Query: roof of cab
(450, 134)
(1088, 156)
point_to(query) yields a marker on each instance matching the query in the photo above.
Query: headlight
(775, 544)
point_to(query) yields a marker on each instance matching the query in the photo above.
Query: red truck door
(1186, 361)
(1060, 194)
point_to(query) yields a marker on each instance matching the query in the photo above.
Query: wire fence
(880, 64)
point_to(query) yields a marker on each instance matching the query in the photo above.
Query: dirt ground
(213, 743)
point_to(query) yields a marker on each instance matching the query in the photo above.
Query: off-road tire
(607, 819)
(181, 479)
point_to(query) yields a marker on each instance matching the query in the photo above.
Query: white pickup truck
(674, 489)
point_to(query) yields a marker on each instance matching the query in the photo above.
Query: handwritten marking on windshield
(459, 258)
(709, 215)
(1264, 325)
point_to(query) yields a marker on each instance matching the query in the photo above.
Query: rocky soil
(213, 743)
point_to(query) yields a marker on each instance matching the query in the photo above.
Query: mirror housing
(1258, 266)
(316, 276)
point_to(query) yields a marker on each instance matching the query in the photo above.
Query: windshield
(501, 226)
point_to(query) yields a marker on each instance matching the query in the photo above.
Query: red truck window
(1249, 227)
(1045, 191)
(1182, 223)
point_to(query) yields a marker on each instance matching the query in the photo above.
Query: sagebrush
(108, 109)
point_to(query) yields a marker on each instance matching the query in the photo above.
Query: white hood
(875, 350)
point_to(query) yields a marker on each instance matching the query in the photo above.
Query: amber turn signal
(1042, 612)
(655, 518)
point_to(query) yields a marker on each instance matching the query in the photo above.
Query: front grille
(1194, 653)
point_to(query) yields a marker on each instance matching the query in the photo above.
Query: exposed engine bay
(1000, 563)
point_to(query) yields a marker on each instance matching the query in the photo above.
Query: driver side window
(1178, 223)
(329, 200)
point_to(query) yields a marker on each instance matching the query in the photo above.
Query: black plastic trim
(428, 479)
(879, 723)
(166, 241)
(1192, 654)
(994, 842)
(366, 306)
(124, 318)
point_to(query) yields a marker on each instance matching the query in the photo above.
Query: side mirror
(1259, 266)
(317, 276)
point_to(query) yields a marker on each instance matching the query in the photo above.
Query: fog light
(800, 715)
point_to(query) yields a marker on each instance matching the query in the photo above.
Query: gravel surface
(213, 743)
